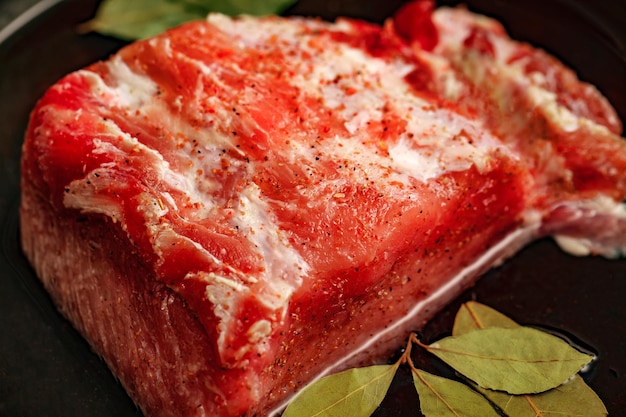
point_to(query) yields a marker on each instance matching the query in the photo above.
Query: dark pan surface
(47, 369)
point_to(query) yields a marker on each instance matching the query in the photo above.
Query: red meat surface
(233, 208)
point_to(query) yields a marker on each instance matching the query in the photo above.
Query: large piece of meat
(237, 206)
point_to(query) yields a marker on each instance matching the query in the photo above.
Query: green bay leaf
(443, 397)
(518, 360)
(140, 19)
(473, 316)
(355, 392)
(572, 399)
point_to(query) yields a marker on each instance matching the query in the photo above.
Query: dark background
(47, 369)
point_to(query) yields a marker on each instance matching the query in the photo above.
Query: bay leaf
(355, 392)
(443, 397)
(574, 398)
(520, 360)
(473, 316)
(140, 19)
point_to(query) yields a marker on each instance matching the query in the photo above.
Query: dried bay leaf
(355, 392)
(442, 397)
(473, 316)
(518, 360)
(140, 19)
(572, 399)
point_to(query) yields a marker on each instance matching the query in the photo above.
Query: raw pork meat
(237, 206)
